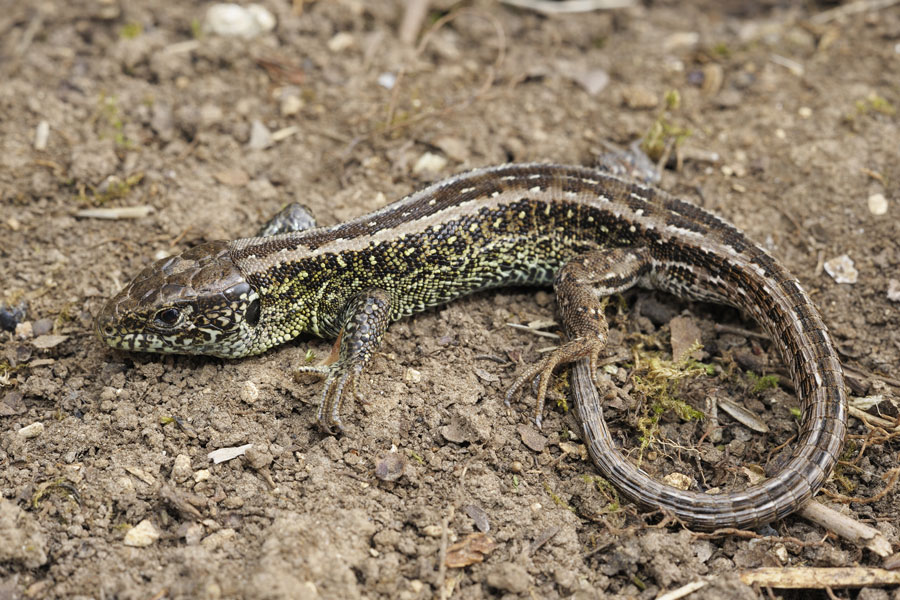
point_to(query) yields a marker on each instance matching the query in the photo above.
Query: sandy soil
(789, 127)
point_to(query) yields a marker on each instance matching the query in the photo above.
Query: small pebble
(781, 553)
(341, 42)
(141, 535)
(434, 531)
(893, 290)
(429, 163)
(412, 375)
(42, 326)
(639, 98)
(841, 269)
(232, 20)
(210, 114)
(11, 316)
(531, 438)
(260, 137)
(804, 112)
(878, 204)
(291, 105)
(218, 539)
(249, 392)
(678, 480)
(390, 467)
(593, 81)
(181, 469)
(387, 80)
(201, 475)
(24, 330)
(31, 431)
(193, 533)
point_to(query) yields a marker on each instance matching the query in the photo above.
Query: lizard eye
(168, 317)
(252, 314)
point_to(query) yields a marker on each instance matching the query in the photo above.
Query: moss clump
(659, 381)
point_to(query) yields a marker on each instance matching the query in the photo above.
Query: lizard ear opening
(252, 314)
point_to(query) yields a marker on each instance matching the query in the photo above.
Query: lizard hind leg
(580, 285)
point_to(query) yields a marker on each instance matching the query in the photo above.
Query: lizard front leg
(293, 217)
(580, 285)
(365, 320)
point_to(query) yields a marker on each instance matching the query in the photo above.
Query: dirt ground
(787, 127)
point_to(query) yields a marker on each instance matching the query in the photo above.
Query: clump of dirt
(786, 124)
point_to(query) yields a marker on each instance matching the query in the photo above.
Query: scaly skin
(586, 231)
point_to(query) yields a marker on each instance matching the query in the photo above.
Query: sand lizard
(587, 232)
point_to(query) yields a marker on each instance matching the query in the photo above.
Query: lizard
(587, 232)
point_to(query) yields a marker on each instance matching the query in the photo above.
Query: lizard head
(197, 302)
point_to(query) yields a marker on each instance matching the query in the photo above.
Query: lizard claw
(543, 371)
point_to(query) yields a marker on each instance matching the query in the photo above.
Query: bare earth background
(145, 109)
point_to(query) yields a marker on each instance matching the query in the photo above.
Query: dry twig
(846, 527)
(819, 578)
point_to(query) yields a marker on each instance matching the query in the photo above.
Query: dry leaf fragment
(45, 342)
(224, 454)
(470, 550)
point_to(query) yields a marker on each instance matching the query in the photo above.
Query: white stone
(260, 137)
(141, 535)
(678, 480)
(181, 469)
(32, 431)
(878, 204)
(893, 291)
(341, 42)
(291, 105)
(234, 20)
(841, 269)
(249, 392)
(429, 163)
(387, 80)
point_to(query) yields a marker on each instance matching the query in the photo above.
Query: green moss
(659, 381)
(556, 499)
(110, 123)
(129, 31)
(722, 50)
(762, 383)
(672, 99)
(661, 132)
